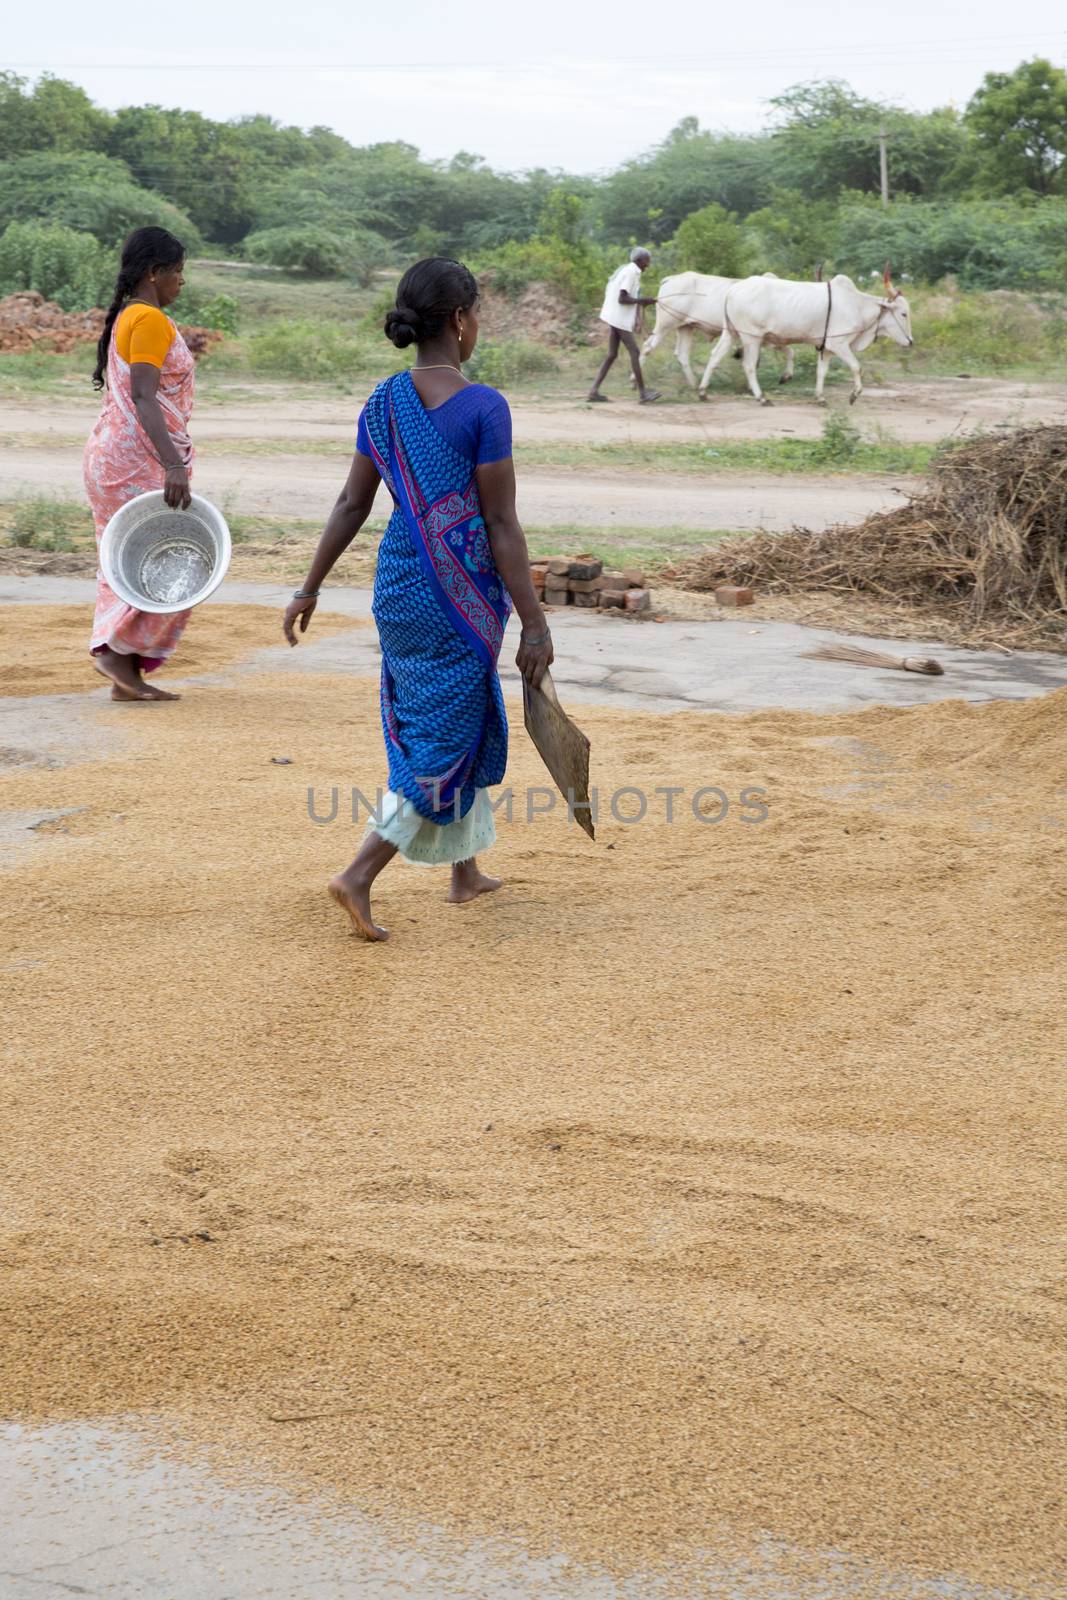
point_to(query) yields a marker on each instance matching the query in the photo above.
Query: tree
(198, 164)
(55, 115)
(648, 198)
(65, 118)
(16, 118)
(562, 217)
(710, 240)
(89, 192)
(827, 142)
(1020, 121)
(793, 234)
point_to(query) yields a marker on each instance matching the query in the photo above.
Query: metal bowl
(158, 559)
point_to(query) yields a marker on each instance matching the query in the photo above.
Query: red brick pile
(30, 322)
(582, 581)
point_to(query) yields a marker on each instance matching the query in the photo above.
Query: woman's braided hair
(145, 249)
(426, 296)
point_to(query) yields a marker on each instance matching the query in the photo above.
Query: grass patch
(648, 547)
(44, 372)
(841, 449)
(510, 362)
(779, 457)
(262, 294)
(45, 524)
(613, 546)
(42, 523)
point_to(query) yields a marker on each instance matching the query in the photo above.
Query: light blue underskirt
(434, 844)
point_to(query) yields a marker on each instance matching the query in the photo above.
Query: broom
(875, 658)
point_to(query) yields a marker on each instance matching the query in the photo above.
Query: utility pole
(883, 165)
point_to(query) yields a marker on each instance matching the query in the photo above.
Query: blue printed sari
(441, 610)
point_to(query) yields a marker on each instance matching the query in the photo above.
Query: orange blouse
(143, 333)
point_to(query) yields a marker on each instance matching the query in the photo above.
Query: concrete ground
(88, 1510)
(737, 664)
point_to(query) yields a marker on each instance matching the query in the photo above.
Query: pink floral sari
(120, 463)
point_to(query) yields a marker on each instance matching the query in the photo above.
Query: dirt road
(304, 486)
(42, 453)
(918, 412)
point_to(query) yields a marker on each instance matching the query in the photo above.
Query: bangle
(542, 638)
(306, 594)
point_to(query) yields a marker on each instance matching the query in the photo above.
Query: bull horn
(818, 273)
(886, 278)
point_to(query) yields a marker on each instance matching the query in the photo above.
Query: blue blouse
(475, 421)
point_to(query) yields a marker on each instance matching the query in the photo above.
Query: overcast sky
(553, 84)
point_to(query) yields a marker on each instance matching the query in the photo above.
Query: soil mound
(30, 322)
(537, 313)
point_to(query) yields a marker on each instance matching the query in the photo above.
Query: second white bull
(835, 317)
(695, 302)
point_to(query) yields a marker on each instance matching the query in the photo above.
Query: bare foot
(468, 884)
(354, 897)
(124, 673)
(155, 693)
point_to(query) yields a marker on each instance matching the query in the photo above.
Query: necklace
(437, 366)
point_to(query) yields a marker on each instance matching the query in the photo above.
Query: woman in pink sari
(140, 442)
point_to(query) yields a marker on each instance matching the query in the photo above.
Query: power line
(877, 51)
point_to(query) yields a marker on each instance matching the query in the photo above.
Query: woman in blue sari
(451, 564)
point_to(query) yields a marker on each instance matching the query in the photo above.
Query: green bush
(984, 244)
(577, 273)
(219, 311)
(792, 235)
(373, 320)
(510, 362)
(711, 240)
(308, 348)
(317, 252)
(841, 441)
(985, 332)
(44, 524)
(60, 263)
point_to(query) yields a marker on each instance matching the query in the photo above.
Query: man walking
(619, 311)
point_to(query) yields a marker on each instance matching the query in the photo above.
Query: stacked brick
(582, 581)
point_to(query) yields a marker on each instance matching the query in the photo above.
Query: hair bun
(403, 326)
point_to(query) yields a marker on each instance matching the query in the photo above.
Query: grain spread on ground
(40, 654)
(704, 1183)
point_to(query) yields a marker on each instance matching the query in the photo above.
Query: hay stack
(989, 536)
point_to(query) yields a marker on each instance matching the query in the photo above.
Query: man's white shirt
(613, 312)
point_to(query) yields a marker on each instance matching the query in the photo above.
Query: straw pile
(987, 539)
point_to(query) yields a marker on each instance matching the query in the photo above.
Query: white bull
(835, 317)
(690, 303)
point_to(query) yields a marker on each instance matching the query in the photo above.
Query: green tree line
(979, 192)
